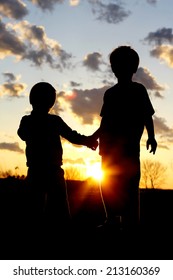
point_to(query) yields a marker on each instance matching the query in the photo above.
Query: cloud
(10, 77)
(164, 53)
(10, 44)
(161, 126)
(13, 9)
(86, 104)
(162, 35)
(144, 76)
(164, 131)
(74, 84)
(12, 87)
(111, 13)
(46, 4)
(14, 147)
(17, 9)
(41, 48)
(93, 61)
(152, 2)
(74, 161)
(74, 2)
(30, 42)
(162, 41)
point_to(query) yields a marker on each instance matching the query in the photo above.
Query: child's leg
(111, 189)
(131, 215)
(120, 190)
(57, 209)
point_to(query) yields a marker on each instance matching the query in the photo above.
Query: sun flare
(95, 171)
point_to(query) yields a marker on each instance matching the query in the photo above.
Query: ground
(87, 237)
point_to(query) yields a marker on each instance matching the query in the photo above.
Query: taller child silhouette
(126, 111)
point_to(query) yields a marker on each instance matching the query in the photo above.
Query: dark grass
(87, 237)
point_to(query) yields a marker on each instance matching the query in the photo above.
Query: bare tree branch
(153, 174)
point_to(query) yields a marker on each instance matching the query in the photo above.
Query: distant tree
(11, 173)
(153, 174)
(73, 173)
(6, 174)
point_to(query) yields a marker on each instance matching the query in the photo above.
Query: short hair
(124, 54)
(42, 94)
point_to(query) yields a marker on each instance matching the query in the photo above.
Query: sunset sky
(67, 43)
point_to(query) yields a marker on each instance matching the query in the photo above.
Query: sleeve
(23, 128)
(71, 135)
(103, 109)
(148, 107)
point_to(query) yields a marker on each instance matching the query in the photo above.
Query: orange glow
(94, 171)
(71, 95)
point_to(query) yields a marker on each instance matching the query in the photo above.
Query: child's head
(42, 96)
(124, 61)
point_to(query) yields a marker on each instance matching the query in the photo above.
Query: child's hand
(151, 142)
(92, 143)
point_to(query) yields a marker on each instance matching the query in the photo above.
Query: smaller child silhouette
(126, 111)
(42, 132)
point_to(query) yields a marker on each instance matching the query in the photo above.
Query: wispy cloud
(162, 127)
(74, 84)
(12, 87)
(164, 53)
(46, 4)
(13, 9)
(144, 76)
(30, 42)
(152, 2)
(74, 161)
(10, 77)
(109, 12)
(160, 36)
(93, 61)
(14, 147)
(74, 2)
(162, 43)
(86, 104)
(10, 44)
(164, 132)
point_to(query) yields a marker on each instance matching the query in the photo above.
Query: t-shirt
(42, 134)
(124, 111)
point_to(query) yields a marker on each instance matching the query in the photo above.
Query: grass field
(87, 238)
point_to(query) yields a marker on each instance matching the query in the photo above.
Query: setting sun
(95, 171)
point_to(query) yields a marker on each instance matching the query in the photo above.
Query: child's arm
(96, 134)
(77, 138)
(151, 135)
(93, 139)
(23, 129)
